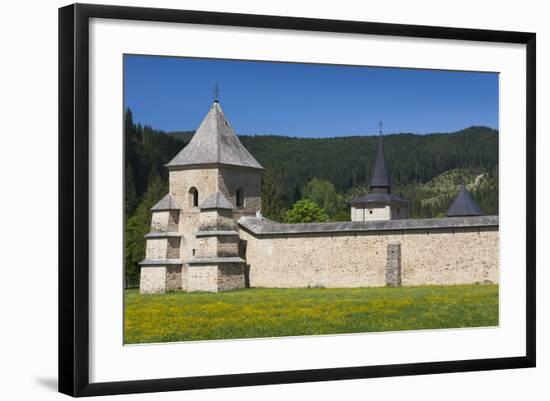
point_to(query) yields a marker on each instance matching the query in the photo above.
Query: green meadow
(263, 312)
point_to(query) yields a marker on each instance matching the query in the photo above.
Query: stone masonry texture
(432, 256)
(393, 265)
(152, 280)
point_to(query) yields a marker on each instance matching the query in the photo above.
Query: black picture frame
(74, 198)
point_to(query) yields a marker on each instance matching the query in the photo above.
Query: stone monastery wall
(215, 189)
(439, 254)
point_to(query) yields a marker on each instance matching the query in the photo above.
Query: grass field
(262, 312)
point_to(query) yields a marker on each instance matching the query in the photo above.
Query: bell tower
(213, 175)
(380, 203)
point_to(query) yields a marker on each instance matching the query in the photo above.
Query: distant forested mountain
(346, 162)
(425, 169)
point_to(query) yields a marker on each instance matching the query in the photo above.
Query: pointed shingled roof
(464, 205)
(380, 176)
(215, 142)
(166, 203)
(377, 198)
(216, 201)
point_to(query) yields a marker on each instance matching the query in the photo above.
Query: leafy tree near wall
(305, 211)
(324, 194)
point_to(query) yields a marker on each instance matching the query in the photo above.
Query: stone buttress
(216, 264)
(161, 269)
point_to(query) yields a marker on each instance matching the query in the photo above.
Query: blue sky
(307, 100)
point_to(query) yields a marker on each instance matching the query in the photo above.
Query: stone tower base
(215, 275)
(158, 279)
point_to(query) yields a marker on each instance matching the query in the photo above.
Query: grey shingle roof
(464, 205)
(215, 143)
(380, 176)
(380, 182)
(166, 203)
(216, 201)
(265, 227)
(377, 198)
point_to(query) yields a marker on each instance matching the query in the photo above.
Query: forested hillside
(425, 169)
(347, 161)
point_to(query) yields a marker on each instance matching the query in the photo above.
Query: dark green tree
(130, 195)
(273, 200)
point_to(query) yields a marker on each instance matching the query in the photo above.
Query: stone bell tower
(213, 181)
(380, 203)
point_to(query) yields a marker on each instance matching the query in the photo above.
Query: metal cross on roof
(216, 92)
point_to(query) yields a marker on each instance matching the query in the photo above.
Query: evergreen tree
(273, 202)
(130, 194)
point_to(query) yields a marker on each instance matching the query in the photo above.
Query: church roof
(464, 205)
(216, 201)
(215, 142)
(377, 198)
(380, 176)
(166, 203)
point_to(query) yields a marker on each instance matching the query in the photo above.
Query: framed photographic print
(250, 199)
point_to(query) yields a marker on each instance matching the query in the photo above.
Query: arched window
(193, 197)
(239, 197)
